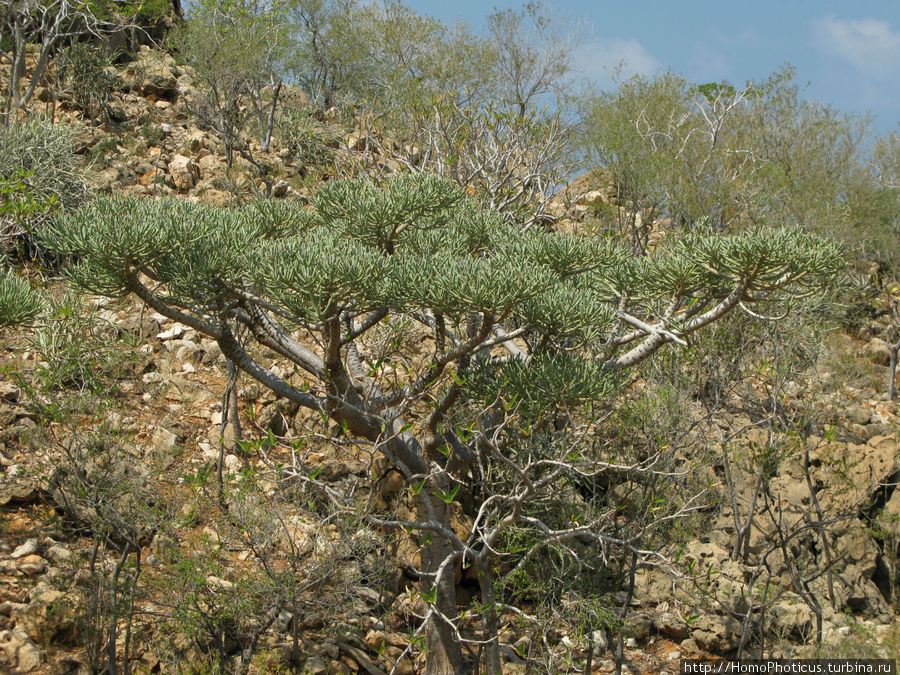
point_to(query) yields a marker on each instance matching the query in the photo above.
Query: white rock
(60, 555)
(30, 547)
(175, 331)
(21, 652)
(219, 584)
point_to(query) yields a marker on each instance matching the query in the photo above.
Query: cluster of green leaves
(17, 200)
(44, 155)
(18, 302)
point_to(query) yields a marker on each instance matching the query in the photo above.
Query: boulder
(184, 172)
(794, 619)
(31, 565)
(717, 634)
(21, 653)
(50, 614)
(30, 547)
(878, 352)
(154, 73)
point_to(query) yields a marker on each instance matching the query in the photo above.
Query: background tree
(331, 48)
(50, 24)
(637, 133)
(533, 54)
(237, 50)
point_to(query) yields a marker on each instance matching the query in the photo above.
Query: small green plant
(91, 83)
(309, 142)
(79, 351)
(19, 304)
(151, 133)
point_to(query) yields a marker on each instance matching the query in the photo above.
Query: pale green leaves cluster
(416, 247)
(18, 302)
(542, 383)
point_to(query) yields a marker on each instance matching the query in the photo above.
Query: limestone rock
(30, 547)
(794, 619)
(878, 352)
(31, 565)
(20, 492)
(315, 665)
(21, 653)
(717, 634)
(155, 74)
(49, 614)
(184, 172)
(164, 442)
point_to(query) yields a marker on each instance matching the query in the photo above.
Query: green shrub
(45, 152)
(18, 303)
(306, 139)
(92, 86)
(47, 178)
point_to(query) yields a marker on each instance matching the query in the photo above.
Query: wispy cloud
(708, 64)
(598, 59)
(871, 45)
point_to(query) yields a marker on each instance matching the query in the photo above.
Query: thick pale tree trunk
(490, 659)
(438, 558)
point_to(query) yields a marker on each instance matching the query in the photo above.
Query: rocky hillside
(112, 425)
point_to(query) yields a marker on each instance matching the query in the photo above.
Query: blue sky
(847, 53)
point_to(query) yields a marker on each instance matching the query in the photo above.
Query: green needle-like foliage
(568, 255)
(416, 246)
(543, 383)
(567, 311)
(18, 302)
(457, 285)
(378, 216)
(319, 272)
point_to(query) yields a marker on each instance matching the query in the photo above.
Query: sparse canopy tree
(638, 133)
(238, 51)
(754, 155)
(527, 326)
(331, 55)
(533, 54)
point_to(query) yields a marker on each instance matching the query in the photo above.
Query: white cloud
(598, 59)
(871, 45)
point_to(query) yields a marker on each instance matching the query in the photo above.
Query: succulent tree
(521, 336)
